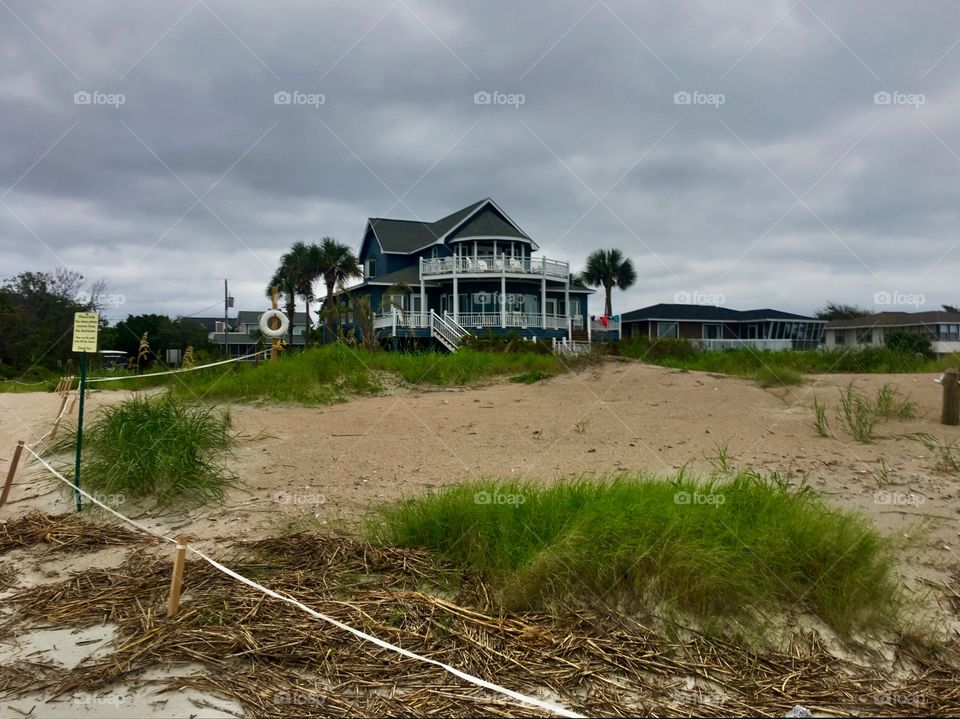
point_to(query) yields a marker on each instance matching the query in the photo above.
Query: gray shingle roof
(896, 319)
(406, 236)
(707, 313)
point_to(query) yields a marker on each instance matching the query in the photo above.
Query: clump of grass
(857, 414)
(889, 403)
(720, 461)
(768, 377)
(860, 414)
(713, 550)
(155, 447)
(530, 377)
(946, 452)
(820, 422)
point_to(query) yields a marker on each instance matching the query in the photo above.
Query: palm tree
(336, 264)
(609, 269)
(303, 263)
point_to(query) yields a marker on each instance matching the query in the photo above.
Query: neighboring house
(719, 327)
(473, 271)
(941, 328)
(243, 331)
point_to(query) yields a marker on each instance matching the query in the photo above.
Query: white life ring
(265, 324)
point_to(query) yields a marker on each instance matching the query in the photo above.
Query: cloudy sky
(769, 153)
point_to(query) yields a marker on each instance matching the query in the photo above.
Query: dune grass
(739, 549)
(325, 375)
(769, 368)
(154, 447)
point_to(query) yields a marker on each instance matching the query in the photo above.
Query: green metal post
(82, 390)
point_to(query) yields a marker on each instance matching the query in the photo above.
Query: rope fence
(175, 586)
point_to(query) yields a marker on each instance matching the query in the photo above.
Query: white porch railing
(775, 345)
(502, 264)
(399, 318)
(526, 320)
(570, 347)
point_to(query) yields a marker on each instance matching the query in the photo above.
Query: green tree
(336, 265)
(609, 269)
(36, 318)
(838, 311)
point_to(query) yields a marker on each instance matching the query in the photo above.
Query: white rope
(173, 371)
(26, 384)
(96, 501)
(532, 701)
(56, 422)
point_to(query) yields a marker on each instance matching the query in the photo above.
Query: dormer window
(370, 269)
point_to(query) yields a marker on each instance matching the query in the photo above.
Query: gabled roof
(896, 319)
(407, 236)
(708, 313)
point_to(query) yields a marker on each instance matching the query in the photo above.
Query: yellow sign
(86, 325)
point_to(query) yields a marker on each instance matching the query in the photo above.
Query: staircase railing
(448, 332)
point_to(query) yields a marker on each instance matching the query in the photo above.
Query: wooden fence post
(951, 397)
(176, 581)
(10, 472)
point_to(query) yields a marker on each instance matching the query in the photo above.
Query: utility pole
(227, 303)
(226, 345)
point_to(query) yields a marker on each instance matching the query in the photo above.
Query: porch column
(423, 297)
(456, 296)
(543, 299)
(566, 306)
(503, 294)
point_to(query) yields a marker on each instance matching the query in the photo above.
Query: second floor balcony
(494, 265)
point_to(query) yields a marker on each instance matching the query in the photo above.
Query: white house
(941, 328)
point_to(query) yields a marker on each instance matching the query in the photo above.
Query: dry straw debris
(278, 662)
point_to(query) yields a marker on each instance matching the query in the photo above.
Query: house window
(391, 301)
(864, 337)
(370, 268)
(949, 333)
(667, 329)
(218, 326)
(712, 332)
(838, 337)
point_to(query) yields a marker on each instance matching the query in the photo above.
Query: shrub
(909, 343)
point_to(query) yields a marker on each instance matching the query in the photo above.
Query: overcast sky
(141, 141)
